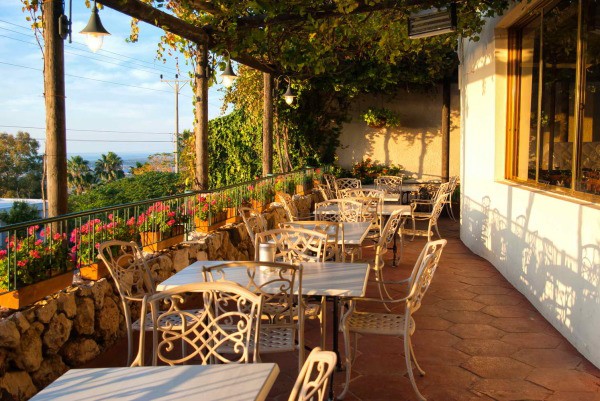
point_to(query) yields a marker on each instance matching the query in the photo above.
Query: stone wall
(72, 327)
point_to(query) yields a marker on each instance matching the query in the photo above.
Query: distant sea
(129, 159)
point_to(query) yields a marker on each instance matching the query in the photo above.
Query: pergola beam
(199, 35)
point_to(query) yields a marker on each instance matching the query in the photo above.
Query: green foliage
(131, 189)
(381, 117)
(19, 213)
(235, 149)
(80, 176)
(367, 170)
(109, 167)
(20, 166)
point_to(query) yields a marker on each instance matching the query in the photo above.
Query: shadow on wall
(565, 288)
(418, 138)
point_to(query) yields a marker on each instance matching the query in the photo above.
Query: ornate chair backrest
(312, 383)
(333, 230)
(277, 283)
(294, 245)
(330, 181)
(438, 206)
(291, 211)
(128, 269)
(224, 331)
(422, 273)
(325, 192)
(254, 221)
(350, 210)
(389, 183)
(362, 192)
(345, 183)
(452, 183)
(396, 219)
(371, 208)
(323, 215)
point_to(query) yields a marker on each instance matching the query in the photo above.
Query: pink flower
(22, 263)
(171, 222)
(3, 254)
(42, 233)
(38, 242)
(58, 236)
(131, 221)
(35, 254)
(32, 229)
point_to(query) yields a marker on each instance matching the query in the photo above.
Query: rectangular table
(354, 232)
(386, 210)
(240, 382)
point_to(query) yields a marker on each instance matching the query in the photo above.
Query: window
(555, 111)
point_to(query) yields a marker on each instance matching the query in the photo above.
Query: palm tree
(109, 167)
(79, 174)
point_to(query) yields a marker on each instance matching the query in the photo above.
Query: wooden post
(446, 85)
(267, 162)
(54, 95)
(201, 129)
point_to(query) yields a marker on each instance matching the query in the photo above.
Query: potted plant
(161, 227)
(33, 267)
(381, 117)
(208, 213)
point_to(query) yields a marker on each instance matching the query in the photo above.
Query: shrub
(367, 170)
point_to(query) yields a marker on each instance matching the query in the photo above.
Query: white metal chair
(291, 211)
(253, 220)
(133, 280)
(345, 183)
(452, 183)
(393, 324)
(390, 184)
(325, 192)
(282, 319)
(293, 245)
(334, 245)
(313, 381)
(431, 217)
(225, 331)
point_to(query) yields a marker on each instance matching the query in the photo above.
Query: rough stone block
(79, 351)
(66, 303)
(52, 368)
(46, 310)
(9, 334)
(181, 259)
(18, 384)
(108, 320)
(28, 356)
(84, 319)
(58, 333)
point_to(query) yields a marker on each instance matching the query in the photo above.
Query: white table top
(239, 382)
(323, 279)
(354, 232)
(386, 210)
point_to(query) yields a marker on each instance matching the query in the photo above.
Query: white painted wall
(547, 246)
(416, 144)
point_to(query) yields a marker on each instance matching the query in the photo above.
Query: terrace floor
(476, 337)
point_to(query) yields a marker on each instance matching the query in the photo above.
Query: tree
(20, 166)
(79, 174)
(130, 189)
(109, 167)
(162, 162)
(19, 213)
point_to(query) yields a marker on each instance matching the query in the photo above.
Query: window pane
(529, 81)
(590, 145)
(559, 51)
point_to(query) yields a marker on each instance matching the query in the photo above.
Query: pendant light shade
(288, 95)
(228, 75)
(94, 31)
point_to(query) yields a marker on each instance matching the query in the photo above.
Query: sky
(117, 89)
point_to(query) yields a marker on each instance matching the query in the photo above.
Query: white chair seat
(170, 321)
(389, 324)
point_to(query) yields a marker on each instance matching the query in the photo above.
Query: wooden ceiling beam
(146, 13)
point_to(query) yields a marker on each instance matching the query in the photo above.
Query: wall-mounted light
(228, 75)
(94, 31)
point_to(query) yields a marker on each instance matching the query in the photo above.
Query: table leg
(336, 329)
(394, 249)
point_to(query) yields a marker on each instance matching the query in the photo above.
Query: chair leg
(437, 231)
(414, 358)
(411, 374)
(414, 227)
(129, 332)
(323, 321)
(349, 361)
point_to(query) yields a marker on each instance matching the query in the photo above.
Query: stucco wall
(545, 245)
(416, 144)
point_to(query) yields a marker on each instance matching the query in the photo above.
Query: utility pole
(175, 84)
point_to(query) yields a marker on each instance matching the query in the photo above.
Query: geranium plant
(160, 217)
(381, 117)
(32, 259)
(208, 207)
(367, 170)
(87, 238)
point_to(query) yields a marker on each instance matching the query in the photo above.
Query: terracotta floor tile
(534, 324)
(497, 367)
(485, 347)
(460, 304)
(488, 289)
(501, 389)
(564, 380)
(499, 281)
(447, 294)
(463, 330)
(423, 338)
(439, 356)
(452, 393)
(431, 310)
(497, 299)
(383, 388)
(574, 396)
(532, 340)
(467, 317)
(432, 323)
(508, 311)
(548, 358)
